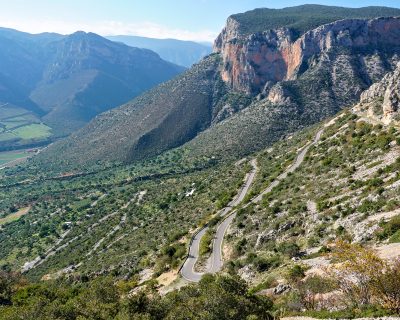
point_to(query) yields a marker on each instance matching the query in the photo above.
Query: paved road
(216, 258)
(187, 270)
(292, 168)
(217, 254)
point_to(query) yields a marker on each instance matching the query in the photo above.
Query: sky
(197, 20)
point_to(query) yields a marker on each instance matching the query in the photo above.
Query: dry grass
(15, 216)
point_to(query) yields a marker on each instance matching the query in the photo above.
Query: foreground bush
(215, 297)
(367, 279)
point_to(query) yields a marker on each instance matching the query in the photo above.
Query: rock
(252, 62)
(286, 226)
(246, 273)
(382, 100)
(281, 288)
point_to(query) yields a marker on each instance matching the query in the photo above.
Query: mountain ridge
(67, 80)
(328, 74)
(180, 52)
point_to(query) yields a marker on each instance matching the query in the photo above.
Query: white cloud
(145, 29)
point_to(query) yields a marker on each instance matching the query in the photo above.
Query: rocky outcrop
(381, 101)
(252, 62)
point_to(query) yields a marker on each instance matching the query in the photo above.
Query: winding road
(216, 258)
(292, 168)
(187, 270)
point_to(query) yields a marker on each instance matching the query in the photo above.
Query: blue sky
(199, 20)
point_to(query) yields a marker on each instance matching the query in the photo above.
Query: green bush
(390, 229)
(295, 273)
(206, 242)
(290, 249)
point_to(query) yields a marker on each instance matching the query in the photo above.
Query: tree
(366, 278)
(358, 267)
(9, 284)
(387, 287)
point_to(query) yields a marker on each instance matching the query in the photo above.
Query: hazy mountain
(88, 74)
(67, 80)
(254, 89)
(184, 53)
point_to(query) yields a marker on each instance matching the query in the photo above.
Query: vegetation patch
(14, 216)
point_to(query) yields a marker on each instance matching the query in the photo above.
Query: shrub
(205, 242)
(389, 228)
(264, 264)
(290, 249)
(310, 288)
(295, 273)
(387, 287)
(365, 278)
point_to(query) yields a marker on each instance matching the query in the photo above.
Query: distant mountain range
(184, 53)
(272, 72)
(64, 81)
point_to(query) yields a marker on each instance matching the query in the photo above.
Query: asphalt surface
(216, 258)
(292, 168)
(216, 261)
(217, 252)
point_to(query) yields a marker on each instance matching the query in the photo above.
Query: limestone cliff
(382, 100)
(252, 62)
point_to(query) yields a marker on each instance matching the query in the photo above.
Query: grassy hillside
(123, 218)
(133, 222)
(346, 189)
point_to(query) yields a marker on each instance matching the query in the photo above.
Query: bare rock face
(252, 61)
(382, 100)
(278, 95)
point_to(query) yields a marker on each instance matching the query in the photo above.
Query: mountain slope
(137, 220)
(381, 102)
(270, 84)
(67, 80)
(184, 53)
(162, 118)
(99, 74)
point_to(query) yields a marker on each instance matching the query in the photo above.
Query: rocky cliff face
(382, 100)
(251, 63)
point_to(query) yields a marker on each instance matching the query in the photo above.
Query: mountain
(162, 118)
(224, 174)
(183, 53)
(85, 65)
(321, 210)
(67, 80)
(381, 102)
(254, 89)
